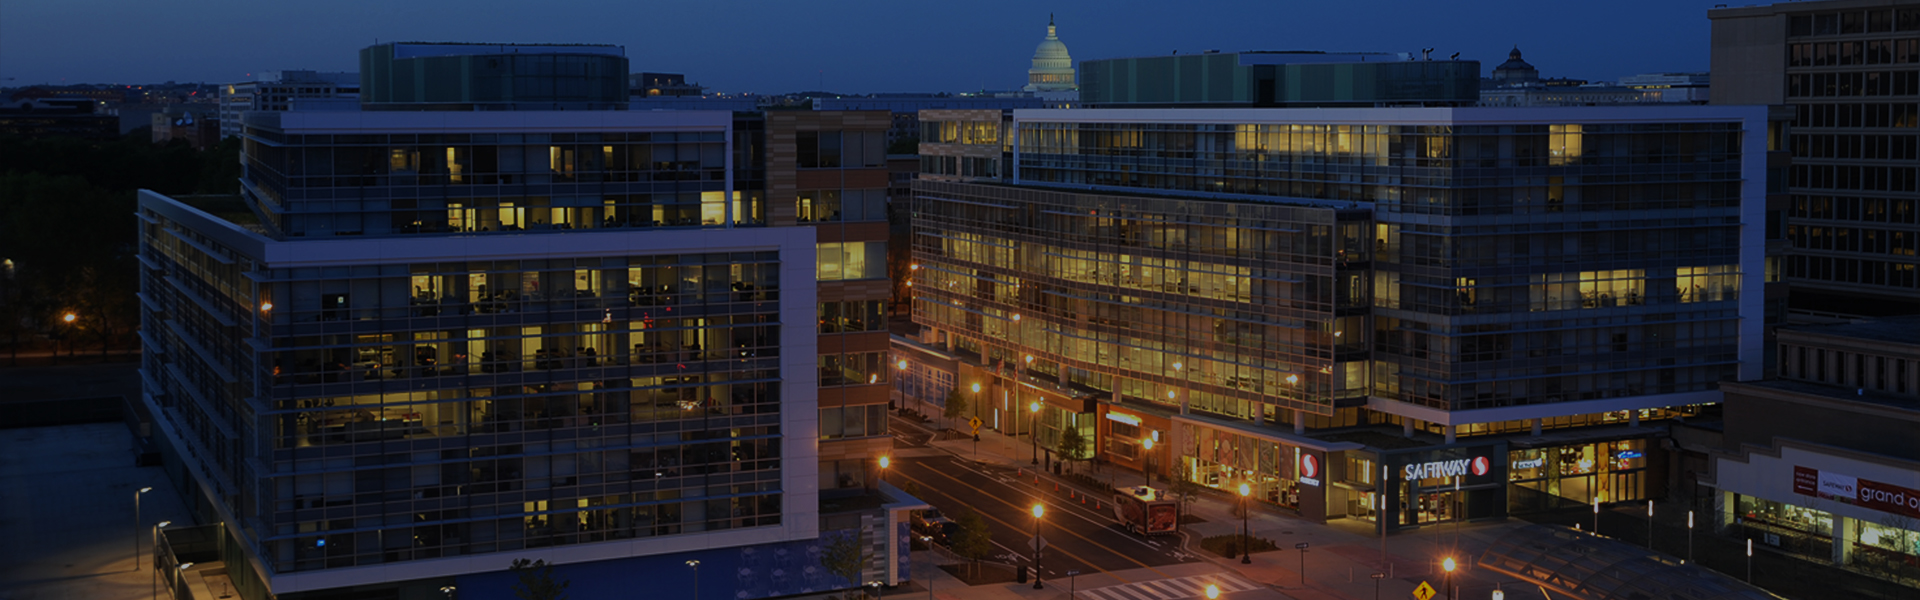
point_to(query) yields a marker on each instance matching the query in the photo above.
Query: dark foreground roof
(1576, 564)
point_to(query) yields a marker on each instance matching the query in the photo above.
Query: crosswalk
(1169, 589)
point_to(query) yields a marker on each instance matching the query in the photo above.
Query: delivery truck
(1147, 510)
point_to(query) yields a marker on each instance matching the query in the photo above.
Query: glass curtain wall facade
(1510, 264)
(1231, 303)
(394, 411)
(321, 175)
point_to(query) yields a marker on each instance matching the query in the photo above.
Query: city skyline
(987, 47)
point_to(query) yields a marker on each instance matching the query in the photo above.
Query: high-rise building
(1850, 69)
(457, 331)
(1264, 290)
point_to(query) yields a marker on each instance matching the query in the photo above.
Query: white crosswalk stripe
(1168, 589)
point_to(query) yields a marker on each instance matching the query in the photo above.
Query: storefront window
(1889, 540)
(1548, 478)
(1223, 461)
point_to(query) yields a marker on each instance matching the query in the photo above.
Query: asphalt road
(1078, 538)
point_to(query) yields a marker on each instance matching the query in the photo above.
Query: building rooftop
(1904, 330)
(1834, 392)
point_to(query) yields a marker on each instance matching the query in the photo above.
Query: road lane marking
(1067, 530)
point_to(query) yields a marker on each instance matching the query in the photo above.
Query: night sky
(853, 46)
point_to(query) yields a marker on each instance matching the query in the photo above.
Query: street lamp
(1689, 536)
(928, 540)
(69, 319)
(976, 414)
(1213, 592)
(1246, 491)
(1449, 565)
(1033, 429)
(156, 535)
(885, 461)
(696, 578)
(1649, 524)
(1038, 511)
(137, 523)
(1146, 473)
(447, 590)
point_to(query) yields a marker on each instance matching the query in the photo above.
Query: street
(1079, 537)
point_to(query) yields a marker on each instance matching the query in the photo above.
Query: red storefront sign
(1864, 493)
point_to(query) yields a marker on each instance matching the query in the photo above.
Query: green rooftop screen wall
(1223, 80)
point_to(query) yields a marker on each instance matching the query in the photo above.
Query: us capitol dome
(1052, 67)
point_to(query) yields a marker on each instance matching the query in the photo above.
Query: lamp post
(928, 540)
(69, 318)
(1033, 430)
(1038, 511)
(1246, 491)
(1213, 592)
(1449, 565)
(1596, 514)
(696, 578)
(885, 461)
(1146, 473)
(976, 414)
(1649, 524)
(901, 380)
(156, 537)
(1689, 536)
(1749, 561)
(137, 523)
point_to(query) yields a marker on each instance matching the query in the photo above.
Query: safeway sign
(1477, 466)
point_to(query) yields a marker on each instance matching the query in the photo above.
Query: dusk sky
(854, 46)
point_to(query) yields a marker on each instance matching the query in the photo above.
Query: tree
(1072, 445)
(956, 406)
(1186, 491)
(536, 581)
(843, 557)
(972, 540)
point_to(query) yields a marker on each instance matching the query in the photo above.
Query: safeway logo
(1478, 466)
(1309, 466)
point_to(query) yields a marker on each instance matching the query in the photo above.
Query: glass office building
(1462, 272)
(447, 339)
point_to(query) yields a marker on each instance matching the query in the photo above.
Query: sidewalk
(1341, 555)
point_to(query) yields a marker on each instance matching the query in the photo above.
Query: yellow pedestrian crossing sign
(975, 424)
(1424, 592)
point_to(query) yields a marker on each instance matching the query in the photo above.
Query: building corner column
(1299, 422)
(1450, 432)
(1842, 539)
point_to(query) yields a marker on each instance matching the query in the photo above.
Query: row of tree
(69, 237)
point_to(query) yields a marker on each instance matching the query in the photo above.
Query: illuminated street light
(1038, 512)
(1246, 491)
(696, 578)
(1033, 431)
(1213, 592)
(1449, 566)
(137, 523)
(1146, 473)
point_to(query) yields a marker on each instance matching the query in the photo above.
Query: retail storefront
(1824, 503)
(1572, 475)
(1123, 435)
(1442, 484)
(1291, 472)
